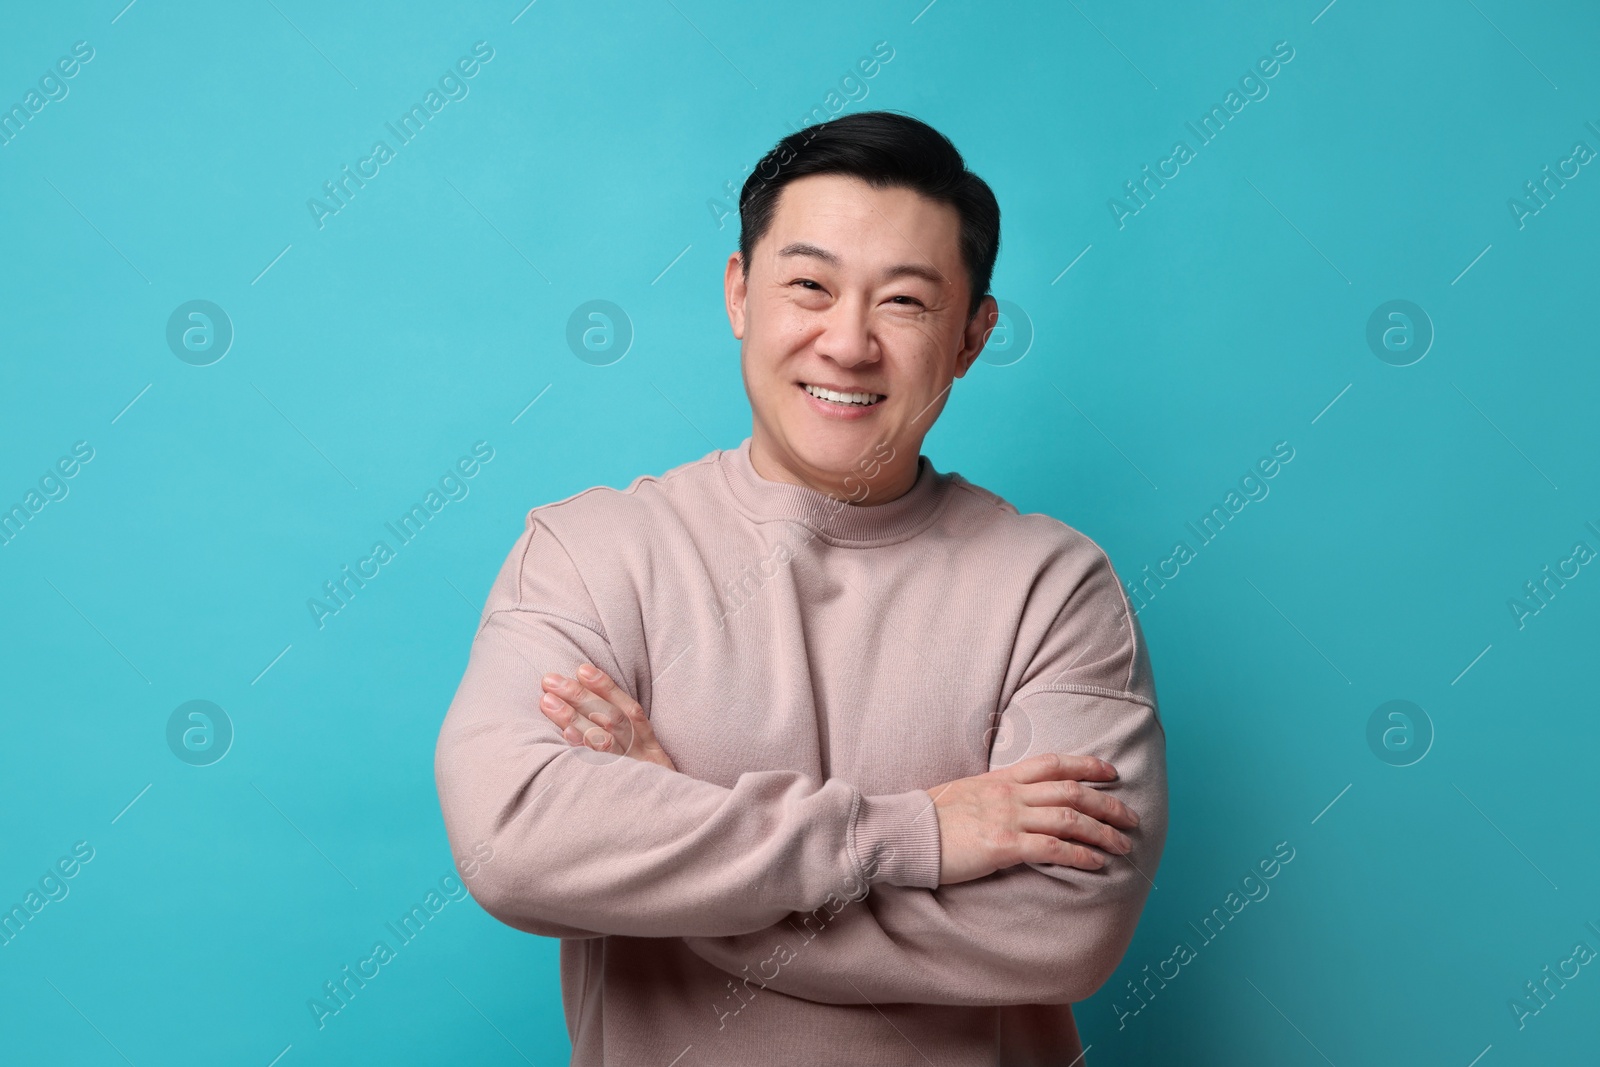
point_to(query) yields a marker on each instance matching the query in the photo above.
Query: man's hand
(599, 715)
(1029, 812)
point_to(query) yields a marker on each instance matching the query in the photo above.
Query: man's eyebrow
(801, 248)
(899, 270)
(914, 270)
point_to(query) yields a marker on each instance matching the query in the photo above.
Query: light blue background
(1226, 316)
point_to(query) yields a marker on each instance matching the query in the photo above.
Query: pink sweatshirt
(812, 667)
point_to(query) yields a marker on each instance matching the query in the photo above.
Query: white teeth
(843, 398)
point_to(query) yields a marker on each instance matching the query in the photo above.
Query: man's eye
(807, 282)
(912, 299)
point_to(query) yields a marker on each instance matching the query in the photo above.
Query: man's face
(856, 290)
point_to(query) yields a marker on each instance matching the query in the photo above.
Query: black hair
(885, 149)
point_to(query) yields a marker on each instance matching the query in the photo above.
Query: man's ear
(734, 289)
(976, 334)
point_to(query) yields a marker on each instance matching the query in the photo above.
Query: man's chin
(838, 451)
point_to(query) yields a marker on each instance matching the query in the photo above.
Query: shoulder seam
(1002, 504)
(598, 626)
(540, 611)
(1091, 690)
(1127, 608)
(633, 486)
(986, 495)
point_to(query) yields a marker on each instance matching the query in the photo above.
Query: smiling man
(809, 753)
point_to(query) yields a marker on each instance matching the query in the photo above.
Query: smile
(844, 399)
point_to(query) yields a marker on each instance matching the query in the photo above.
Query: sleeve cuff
(895, 839)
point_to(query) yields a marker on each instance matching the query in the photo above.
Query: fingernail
(588, 672)
(551, 701)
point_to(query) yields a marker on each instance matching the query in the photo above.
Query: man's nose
(846, 336)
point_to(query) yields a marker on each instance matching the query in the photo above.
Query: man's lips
(841, 409)
(847, 390)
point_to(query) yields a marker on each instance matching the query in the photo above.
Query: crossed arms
(588, 844)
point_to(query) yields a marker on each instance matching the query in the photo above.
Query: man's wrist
(895, 839)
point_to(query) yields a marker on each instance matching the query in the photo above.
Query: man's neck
(872, 480)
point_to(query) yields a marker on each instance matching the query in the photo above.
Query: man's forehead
(850, 197)
(842, 220)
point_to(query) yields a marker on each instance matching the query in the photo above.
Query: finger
(609, 718)
(557, 710)
(1086, 798)
(599, 740)
(641, 737)
(578, 730)
(566, 718)
(587, 703)
(557, 689)
(1049, 766)
(1069, 824)
(1044, 848)
(601, 684)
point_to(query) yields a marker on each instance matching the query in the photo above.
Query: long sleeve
(587, 844)
(1032, 933)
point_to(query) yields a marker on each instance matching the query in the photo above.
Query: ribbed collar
(834, 519)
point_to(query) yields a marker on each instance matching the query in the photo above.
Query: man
(871, 770)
